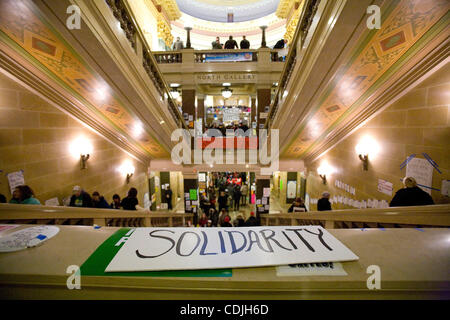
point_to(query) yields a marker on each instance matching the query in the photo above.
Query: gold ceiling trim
(284, 8)
(170, 7)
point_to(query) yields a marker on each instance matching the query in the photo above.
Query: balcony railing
(123, 14)
(303, 26)
(394, 217)
(214, 56)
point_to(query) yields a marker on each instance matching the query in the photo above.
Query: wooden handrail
(99, 216)
(436, 215)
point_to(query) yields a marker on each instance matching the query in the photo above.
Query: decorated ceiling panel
(23, 28)
(217, 10)
(408, 23)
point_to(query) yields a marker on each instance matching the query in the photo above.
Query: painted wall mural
(27, 32)
(408, 21)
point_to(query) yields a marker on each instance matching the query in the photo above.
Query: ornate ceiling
(217, 10)
(406, 25)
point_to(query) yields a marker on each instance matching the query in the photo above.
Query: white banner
(151, 249)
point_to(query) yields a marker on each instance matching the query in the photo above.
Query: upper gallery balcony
(263, 60)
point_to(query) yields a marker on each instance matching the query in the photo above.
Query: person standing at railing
(178, 45)
(130, 201)
(2, 198)
(216, 44)
(231, 44)
(324, 204)
(411, 195)
(280, 44)
(24, 195)
(245, 44)
(116, 202)
(80, 198)
(99, 201)
(298, 206)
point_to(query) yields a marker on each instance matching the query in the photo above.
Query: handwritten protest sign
(15, 179)
(152, 249)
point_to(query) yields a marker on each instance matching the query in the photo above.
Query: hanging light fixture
(227, 92)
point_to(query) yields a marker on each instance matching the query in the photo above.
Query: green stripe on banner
(96, 264)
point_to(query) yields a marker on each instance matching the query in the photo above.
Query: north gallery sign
(225, 77)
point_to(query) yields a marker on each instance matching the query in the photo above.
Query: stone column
(263, 94)
(188, 98)
(201, 109)
(262, 201)
(191, 201)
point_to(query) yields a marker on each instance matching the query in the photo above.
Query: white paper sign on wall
(151, 249)
(15, 179)
(385, 187)
(422, 171)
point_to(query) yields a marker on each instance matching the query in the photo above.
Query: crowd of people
(24, 195)
(226, 193)
(242, 125)
(229, 44)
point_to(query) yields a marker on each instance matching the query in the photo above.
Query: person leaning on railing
(216, 44)
(324, 203)
(24, 195)
(411, 195)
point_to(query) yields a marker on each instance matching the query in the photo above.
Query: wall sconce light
(84, 159)
(323, 170)
(127, 169)
(81, 148)
(365, 147)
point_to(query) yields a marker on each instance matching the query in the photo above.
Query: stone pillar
(191, 196)
(253, 111)
(263, 95)
(262, 201)
(201, 109)
(188, 98)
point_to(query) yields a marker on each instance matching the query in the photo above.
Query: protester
(245, 44)
(237, 197)
(298, 206)
(2, 198)
(178, 45)
(130, 201)
(244, 192)
(411, 195)
(324, 204)
(223, 214)
(251, 221)
(222, 201)
(116, 202)
(280, 44)
(99, 201)
(24, 195)
(239, 221)
(80, 198)
(231, 44)
(214, 216)
(226, 222)
(168, 196)
(216, 44)
(203, 222)
(15, 196)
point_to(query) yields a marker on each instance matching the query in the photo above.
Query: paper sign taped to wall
(422, 171)
(52, 202)
(15, 179)
(152, 249)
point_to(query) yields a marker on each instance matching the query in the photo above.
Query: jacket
(85, 198)
(231, 44)
(411, 197)
(323, 204)
(101, 203)
(245, 44)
